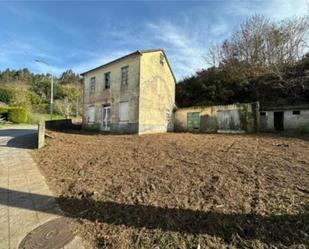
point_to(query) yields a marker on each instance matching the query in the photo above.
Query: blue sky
(84, 34)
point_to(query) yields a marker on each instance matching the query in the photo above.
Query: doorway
(278, 121)
(106, 117)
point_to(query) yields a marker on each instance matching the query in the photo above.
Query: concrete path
(25, 200)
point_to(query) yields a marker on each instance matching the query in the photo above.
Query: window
(262, 113)
(107, 80)
(296, 112)
(124, 111)
(92, 85)
(161, 59)
(125, 75)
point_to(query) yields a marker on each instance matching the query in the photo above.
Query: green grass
(34, 118)
(54, 117)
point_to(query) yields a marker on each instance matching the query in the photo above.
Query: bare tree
(264, 46)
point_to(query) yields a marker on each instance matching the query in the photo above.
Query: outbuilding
(285, 118)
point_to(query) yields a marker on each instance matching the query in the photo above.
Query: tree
(262, 47)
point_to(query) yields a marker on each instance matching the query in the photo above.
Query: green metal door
(193, 121)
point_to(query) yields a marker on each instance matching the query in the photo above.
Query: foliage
(34, 118)
(262, 61)
(69, 77)
(6, 94)
(4, 112)
(33, 91)
(4, 109)
(17, 115)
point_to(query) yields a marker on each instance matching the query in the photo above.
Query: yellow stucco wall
(117, 92)
(157, 94)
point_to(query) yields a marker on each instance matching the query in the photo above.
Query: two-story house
(132, 94)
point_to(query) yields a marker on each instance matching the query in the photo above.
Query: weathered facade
(237, 118)
(133, 94)
(286, 118)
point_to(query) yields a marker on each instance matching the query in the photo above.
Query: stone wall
(223, 118)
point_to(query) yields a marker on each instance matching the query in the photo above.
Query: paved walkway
(25, 200)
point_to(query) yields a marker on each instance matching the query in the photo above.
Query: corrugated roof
(138, 52)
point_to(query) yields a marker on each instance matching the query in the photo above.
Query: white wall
(291, 121)
(267, 121)
(296, 122)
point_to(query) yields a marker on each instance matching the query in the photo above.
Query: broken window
(125, 75)
(107, 80)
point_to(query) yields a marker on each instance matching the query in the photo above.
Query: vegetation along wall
(223, 118)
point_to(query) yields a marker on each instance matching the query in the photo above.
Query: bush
(6, 95)
(4, 109)
(17, 115)
(4, 112)
(34, 118)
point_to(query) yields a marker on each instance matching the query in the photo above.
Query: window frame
(92, 84)
(107, 79)
(124, 75)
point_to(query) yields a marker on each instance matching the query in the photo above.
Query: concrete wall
(157, 94)
(228, 118)
(291, 122)
(267, 121)
(113, 96)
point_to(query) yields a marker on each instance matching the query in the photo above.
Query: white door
(106, 117)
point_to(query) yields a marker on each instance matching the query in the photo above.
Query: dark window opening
(107, 80)
(262, 113)
(296, 112)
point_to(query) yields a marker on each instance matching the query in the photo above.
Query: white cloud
(184, 48)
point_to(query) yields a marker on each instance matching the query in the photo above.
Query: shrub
(6, 95)
(17, 115)
(4, 109)
(4, 112)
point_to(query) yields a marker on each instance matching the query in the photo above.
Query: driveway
(25, 200)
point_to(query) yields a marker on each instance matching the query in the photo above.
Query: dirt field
(182, 190)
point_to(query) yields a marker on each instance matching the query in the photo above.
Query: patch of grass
(34, 118)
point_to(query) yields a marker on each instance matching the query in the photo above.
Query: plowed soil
(182, 190)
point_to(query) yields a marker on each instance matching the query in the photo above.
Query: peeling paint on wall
(228, 118)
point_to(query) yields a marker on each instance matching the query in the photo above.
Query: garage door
(229, 121)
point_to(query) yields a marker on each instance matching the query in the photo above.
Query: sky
(81, 35)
